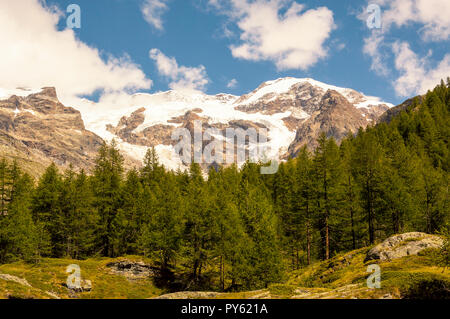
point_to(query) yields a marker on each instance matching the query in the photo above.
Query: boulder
(131, 269)
(189, 295)
(84, 286)
(403, 245)
(18, 280)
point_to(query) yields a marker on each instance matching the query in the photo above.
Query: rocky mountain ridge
(293, 111)
(36, 127)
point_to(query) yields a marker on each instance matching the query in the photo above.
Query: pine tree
(229, 234)
(303, 205)
(161, 236)
(131, 213)
(47, 208)
(20, 237)
(4, 186)
(76, 201)
(198, 232)
(107, 182)
(351, 191)
(262, 262)
(368, 166)
(152, 171)
(327, 174)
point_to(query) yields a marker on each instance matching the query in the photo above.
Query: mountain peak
(49, 91)
(294, 88)
(292, 110)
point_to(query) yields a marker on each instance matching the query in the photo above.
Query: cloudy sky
(126, 46)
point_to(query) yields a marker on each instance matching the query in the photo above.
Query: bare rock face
(315, 107)
(131, 270)
(335, 116)
(287, 114)
(161, 134)
(300, 108)
(393, 112)
(403, 245)
(39, 129)
(84, 286)
(16, 279)
(153, 135)
(189, 295)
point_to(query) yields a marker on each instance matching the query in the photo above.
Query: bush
(429, 289)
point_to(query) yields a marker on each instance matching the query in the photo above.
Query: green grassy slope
(48, 280)
(343, 276)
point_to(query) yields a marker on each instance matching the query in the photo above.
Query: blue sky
(402, 59)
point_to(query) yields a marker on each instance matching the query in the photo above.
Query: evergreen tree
(76, 202)
(327, 173)
(161, 236)
(130, 213)
(199, 231)
(20, 236)
(4, 186)
(46, 208)
(351, 193)
(304, 199)
(107, 182)
(368, 167)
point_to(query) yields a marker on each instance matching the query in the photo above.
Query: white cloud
(417, 77)
(232, 84)
(432, 14)
(35, 54)
(182, 77)
(280, 31)
(373, 47)
(153, 10)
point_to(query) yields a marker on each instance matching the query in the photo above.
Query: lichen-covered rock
(86, 285)
(403, 245)
(83, 286)
(189, 295)
(131, 269)
(18, 280)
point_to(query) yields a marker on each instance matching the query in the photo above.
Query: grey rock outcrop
(403, 245)
(131, 269)
(39, 129)
(16, 279)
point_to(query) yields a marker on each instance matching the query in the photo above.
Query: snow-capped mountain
(291, 111)
(36, 130)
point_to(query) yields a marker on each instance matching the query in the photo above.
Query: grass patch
(282, 290)
(343, 276)
(50, 275)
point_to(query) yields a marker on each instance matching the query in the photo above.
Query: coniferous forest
(240, 227)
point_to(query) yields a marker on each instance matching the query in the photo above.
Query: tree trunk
(353, 228)
(308, 236)
(428, 216)
(327, 239)
(352, 214)
(222, 273)
(370, 215)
